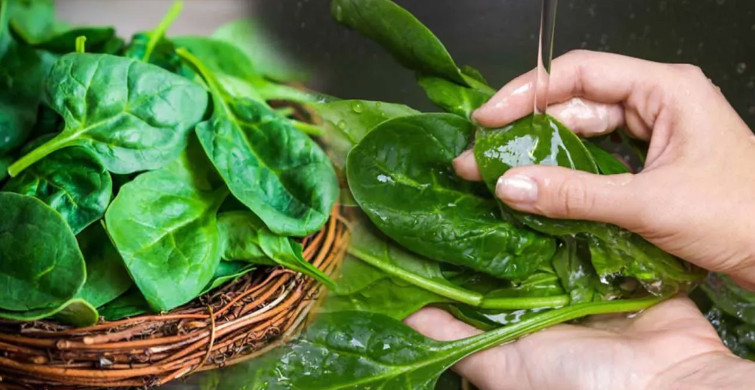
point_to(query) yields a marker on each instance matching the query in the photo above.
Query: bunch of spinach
(137, 177)
(422, 236)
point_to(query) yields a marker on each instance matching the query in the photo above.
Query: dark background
(499, 37)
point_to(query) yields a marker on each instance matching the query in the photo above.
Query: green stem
(307, 128)
(502, 335)
(81, 44)
(458, 294)
(273, 91)
(213, 84)
(37, 154)
(516, 303)
(285, 111)
(159, 32)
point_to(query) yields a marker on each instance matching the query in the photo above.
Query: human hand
(669, 346)
(695, 197)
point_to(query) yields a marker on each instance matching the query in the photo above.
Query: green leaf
(129, 304)
(607, 163)
(133, 115)
(402, 177)
(107, 277)
(40, 263)
(576, 273)
(244, 237)
(348, 121)
(21, 85)
(343, 351)
(271, 167)
(485, 319)
(163, 54)
(76, 312)
(399, 32)
(364, 288)
(164, 226)
(227, 272)
(251, 38)
(453, 97)
(72, 181)
(730, 297)
(4, 163)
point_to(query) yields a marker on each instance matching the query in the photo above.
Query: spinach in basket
(118, 159)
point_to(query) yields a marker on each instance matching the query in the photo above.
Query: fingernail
(516, 189)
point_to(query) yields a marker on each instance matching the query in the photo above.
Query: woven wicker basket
(232, 324)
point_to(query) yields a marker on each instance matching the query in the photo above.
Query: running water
(544, 54)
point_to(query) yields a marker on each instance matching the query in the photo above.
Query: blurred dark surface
(499, 38)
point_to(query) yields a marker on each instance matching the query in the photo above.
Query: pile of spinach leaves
(421, 236)
(136, 176)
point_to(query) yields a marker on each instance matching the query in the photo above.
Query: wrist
(716, 370)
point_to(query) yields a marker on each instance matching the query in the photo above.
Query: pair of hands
(695, 198)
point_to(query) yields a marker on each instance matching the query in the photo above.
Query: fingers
(565, 193)
(588, 118)
(599, 77)
(486, 369)
(466, 166)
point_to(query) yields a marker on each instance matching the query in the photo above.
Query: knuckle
(689, 70)
(572, 198)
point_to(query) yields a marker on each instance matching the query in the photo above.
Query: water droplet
(357, 107)
(338, 13)
(378, 104)
(341, 124)
(741, 67)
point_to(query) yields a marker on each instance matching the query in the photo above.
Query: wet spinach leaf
(72, 181)
(607, 163)
(133, 115)
(730, 297)
(342, 350)
(348, 121)
(576, 273)
(44, 269)
(244, 237)
(409, 158)
(164, 225)
(271, 167)
(452, 97)
(107, 277)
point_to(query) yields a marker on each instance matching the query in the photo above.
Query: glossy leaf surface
(452, 97)
(164, 225)
(40, 263)
(401, 176)
(72, 181)
(133, 115)
(607, 163)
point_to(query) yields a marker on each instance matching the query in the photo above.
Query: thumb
(486, 369)
(558, 192)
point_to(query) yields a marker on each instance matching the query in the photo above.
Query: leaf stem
(159, 32)
(516, 303)
(37, 154)
(458, 294)
(308, 128)
(502, 335)
(81, 44)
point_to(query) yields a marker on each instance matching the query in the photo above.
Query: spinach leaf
(343, 351)
(4, 162)
(133, 115)
(227, 272)
(164, 225)
(730, 297)
(76, 312)
(453, 97)
(249, 36)
(364, 288)
(163, 54)
(400, 174)
(129, 304)
(573, 267)
(40, 263)
(274, 169)
(72, 181)
(348, 121)
(488, 319)
(107, 277)
(607, 163)
(614, 251)
(244, 237)
(21, 81)
(399, 32)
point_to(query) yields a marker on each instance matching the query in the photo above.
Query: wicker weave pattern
(234, 323)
